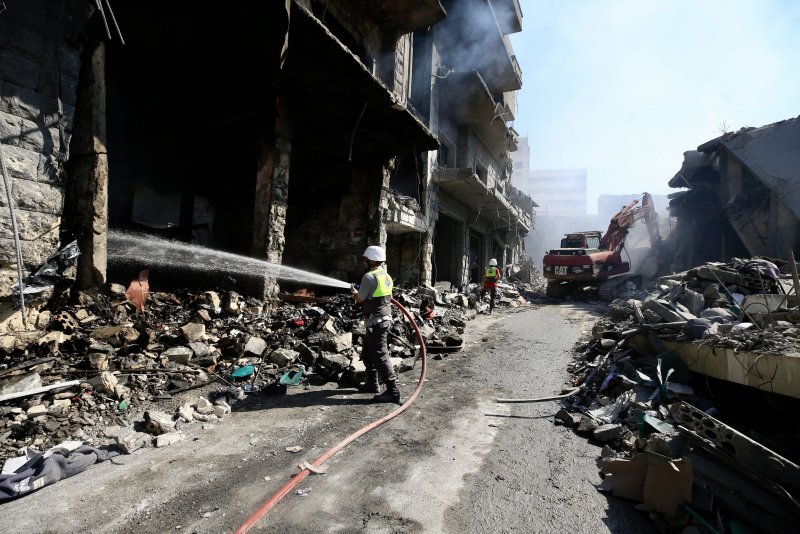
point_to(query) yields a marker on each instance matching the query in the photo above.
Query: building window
(441, 157)
(482, 172)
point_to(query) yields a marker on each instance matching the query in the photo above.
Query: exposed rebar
(15, 231)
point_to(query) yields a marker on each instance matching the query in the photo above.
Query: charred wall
(40, 60)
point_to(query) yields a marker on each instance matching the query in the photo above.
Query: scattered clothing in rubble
(41, 470)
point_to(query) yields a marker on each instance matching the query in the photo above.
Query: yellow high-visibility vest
(491, 272)
(385, 284)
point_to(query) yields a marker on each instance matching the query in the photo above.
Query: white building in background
(559, 192)
(521, 159)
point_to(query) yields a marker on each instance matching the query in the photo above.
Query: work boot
(371, 385)
(392, 394)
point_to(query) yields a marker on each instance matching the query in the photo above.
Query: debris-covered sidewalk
(671, 383)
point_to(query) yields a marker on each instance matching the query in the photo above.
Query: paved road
(455, 462)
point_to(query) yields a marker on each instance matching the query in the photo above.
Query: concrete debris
(186, 412)
(608, 432)
(105, 382)
(643, 393)
(283, 357)
(255, 346)
(221, 408)
(112, 364)
(158, 423)
(204, 406)
(171, 438)
(567, 418)
(193, 332)
(129, 440)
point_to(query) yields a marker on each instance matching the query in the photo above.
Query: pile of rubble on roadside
(100, 368)
(745, 304)
(663, 447)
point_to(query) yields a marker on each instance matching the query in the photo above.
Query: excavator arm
(623, 221)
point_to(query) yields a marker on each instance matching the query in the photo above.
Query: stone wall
(40, 61)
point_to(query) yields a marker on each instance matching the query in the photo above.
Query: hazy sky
(623, 87)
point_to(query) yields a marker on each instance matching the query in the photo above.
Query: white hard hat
(375, 253)
(493, 262)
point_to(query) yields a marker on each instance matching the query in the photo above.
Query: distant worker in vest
(375, 296)
(490, 278)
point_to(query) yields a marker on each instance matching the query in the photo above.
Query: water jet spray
(127, 247)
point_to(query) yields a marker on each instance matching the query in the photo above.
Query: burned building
(742, 197)
(297, 132)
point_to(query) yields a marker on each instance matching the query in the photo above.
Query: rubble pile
(662, 445)
(744, 304)
(101, 372)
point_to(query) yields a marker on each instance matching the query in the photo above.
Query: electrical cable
(284, 490)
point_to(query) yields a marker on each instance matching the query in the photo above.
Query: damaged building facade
(297, 131)
(742, 196)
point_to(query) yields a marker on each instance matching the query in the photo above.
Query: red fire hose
(251, 521)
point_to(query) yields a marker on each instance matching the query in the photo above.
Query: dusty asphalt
(455, 462)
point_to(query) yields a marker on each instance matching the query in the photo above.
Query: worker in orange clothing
(490, 278)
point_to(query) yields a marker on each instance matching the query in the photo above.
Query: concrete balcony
(349, 85)
(403, 215)
(509, 15)
(403, 16)
(483, 197)
(472, 103)
(471, 39)
(510, 103)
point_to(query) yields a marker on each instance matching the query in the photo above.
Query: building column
(425, 258)
(271, 200)
(86, 208)
(463, 252)
(376, 225)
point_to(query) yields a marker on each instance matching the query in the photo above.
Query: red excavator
(586, 257)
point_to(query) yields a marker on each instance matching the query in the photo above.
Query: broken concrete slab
(716, 274)
(170, 438)
(36, 410)
(185, 412)
(97, 361)
(283, 357)
(180, 355)
(204, 406)
(193, 332)
(105, 382)
(200, 349)
(116, 335)
(255, 346)
(764, 303)
(306, 355)
(694, 301)
(16, 384)
(158, 423)
(587, 424)
(608, 432)
(128, 440)
(568, 418)
(662, 310)
(340, 343)
(333, 362)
